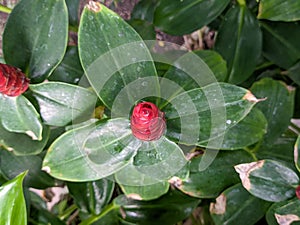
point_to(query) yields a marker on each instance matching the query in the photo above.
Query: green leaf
(293, 73)
(217, 107)
(73, 11)
(247, 132)
(237, 206)
(278, 10)
(113, 55)
(13, 208)
(239, 41)
(91, 197)
(35, 37)
(285, 212)
(69, 70)
(218, 176)
(147, 192)
(297, 153)
(268, 179)
(167, 210)
(169, 14)
(144, 10)
(278, 107)
(22, 144)
(145, 29)
(161, 155)
(11, 165)
(19, 115)
(91, 152)
(61, 103)
(280, 39)
(281, 149)
(216, 69)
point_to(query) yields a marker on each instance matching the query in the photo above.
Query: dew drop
(228, 121)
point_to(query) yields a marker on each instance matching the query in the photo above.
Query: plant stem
(92, 219)
(5, 9)
(241, 2)
(68, 212)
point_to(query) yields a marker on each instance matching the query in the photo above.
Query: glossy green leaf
(247, 132)
(281, 149)
(285, 212)
(169, 14)
(278, 106)
(13, 208)
(147, 192)
(217, 107)
(145, 29)
(294, 73)
(278, 10)
(22, 144)
(217, 177)
(167, 210)
(73, 11)
(69, 70)
(113, 55)
(61, 103)
(11, 165)
(19, 115)
(214, 61)
(144, 10)
(91, 152)
(91, 197)
(239, 41)
(35, 37)
(280, 43)
(159, 160)
(268, 179)
(297, 153)
(237, 206)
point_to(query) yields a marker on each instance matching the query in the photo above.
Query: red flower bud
(12, 81)
(298, 192)
(147, 122)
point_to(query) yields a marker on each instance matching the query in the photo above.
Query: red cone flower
(298, 192)
(147, 122)
(12, 81)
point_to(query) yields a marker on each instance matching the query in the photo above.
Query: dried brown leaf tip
(251, 98)
(94, 6)
(286, 219)
(219, 207)
(245, 169)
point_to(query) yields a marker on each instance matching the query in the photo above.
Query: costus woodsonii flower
(12, 81)
(147, 122)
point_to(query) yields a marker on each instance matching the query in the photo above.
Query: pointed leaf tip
(286, 219)
(94, 6)
(251, 98)
(245, 169)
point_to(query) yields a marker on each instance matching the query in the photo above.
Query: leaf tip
(219, 207)
(286, 219)
(134, 196)
(245, 169)
(46, 169)
(251, 98)
(32, 135)
(175, 181)
(94, 6)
